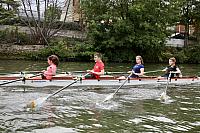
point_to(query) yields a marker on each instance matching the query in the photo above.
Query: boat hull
(103, 81)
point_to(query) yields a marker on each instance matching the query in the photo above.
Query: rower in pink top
(51, 69)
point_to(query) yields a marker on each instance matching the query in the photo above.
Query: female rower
(98, 67)
(51, 69)
(172, 68)
(138, 68)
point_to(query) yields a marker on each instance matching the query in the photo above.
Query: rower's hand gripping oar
(20, 79)
(38, 102)
(163, 95)
(111, 95)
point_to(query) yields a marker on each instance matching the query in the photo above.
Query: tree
(122, 29)
(8, 10)
(190, 16)
(196, 19)
(41, 16)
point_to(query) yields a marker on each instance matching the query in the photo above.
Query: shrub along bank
(83, 51)
(72, 49)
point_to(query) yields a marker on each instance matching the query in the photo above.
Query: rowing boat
(104, 80)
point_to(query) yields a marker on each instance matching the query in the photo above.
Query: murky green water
(80, 109)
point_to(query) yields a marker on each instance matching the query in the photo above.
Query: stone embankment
(63, 33)
(15, 48)
(12, 48)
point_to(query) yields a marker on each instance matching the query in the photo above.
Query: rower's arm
(164, 69)
(178, 70)
(100, 73)
(141, 72)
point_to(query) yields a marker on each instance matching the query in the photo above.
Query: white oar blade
(108, 97)
(163, 96)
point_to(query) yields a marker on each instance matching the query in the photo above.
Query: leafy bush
(66, 50)
(183, 55)
(193, 54)
(66, 25)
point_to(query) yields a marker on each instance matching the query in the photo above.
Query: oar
(111, 95)
(104, 72)
(164, 94)
(115, 72)
(153, 71)
(38, 102)
(22, 72)
(20, 79)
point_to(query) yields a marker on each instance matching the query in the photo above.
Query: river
(81, 110)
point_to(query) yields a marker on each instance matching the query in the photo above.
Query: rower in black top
(175, 71)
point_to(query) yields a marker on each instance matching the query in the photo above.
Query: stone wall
(13, 48)
(63, 33)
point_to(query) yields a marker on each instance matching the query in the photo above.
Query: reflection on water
(81, 109)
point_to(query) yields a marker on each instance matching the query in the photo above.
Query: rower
(137, 69)
(51, 69)
(98, 68)
(172, 68)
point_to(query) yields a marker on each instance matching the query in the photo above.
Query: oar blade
(162, 95)
(108, 97)
(36, 104)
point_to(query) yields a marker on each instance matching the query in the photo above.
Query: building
(181, 29)
(178, 38)
(72, 7)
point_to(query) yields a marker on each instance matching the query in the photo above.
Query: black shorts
(43, 77)
(90, 76)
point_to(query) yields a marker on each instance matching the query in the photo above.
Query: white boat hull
(94, 82)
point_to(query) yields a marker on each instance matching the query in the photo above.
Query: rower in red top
(98, 67)
(51, 69)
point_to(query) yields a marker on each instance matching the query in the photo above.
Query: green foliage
(120, 29)
(65, 49)
(178, 53)
(8, 9)
(193, 54)
(183, 55)
(52, 13)
(12, 35)
(190, 15)
(196, 20)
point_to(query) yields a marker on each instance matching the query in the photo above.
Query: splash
(164, 98)
(36, 104)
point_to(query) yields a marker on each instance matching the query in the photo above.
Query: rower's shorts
(43, 77)
(90, 76)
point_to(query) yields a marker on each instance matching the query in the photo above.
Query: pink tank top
(51, 71)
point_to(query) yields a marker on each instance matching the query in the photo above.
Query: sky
(42, 6)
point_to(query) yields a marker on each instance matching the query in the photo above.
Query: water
(80, 109)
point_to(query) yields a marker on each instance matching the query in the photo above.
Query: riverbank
(81, 51)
